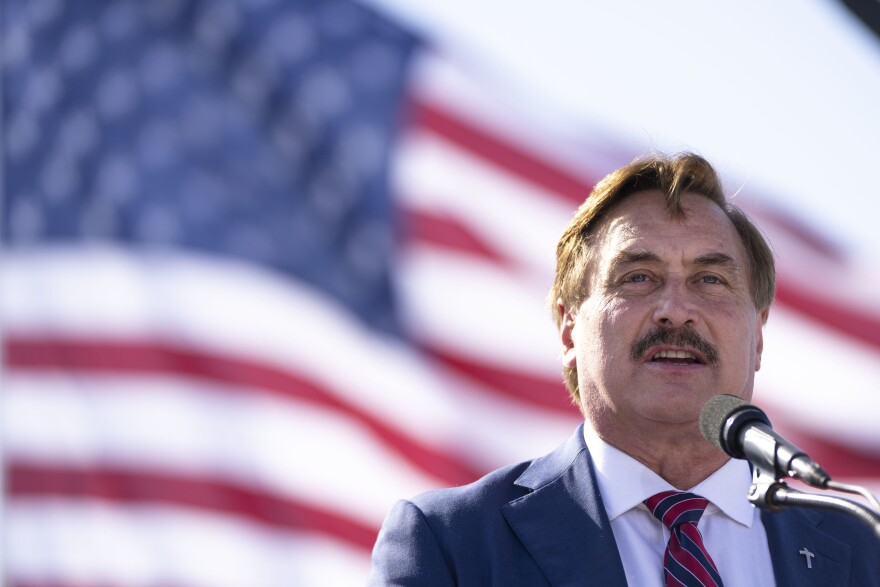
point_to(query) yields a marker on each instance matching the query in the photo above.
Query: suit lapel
(563, 523)
(801, 553)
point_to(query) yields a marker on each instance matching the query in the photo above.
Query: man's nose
(675, 305)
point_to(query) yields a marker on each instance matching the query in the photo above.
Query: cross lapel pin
(808, 556)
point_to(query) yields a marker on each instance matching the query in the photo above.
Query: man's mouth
(676, 357)
(674, 346)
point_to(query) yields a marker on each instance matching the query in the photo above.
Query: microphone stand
(772, 494)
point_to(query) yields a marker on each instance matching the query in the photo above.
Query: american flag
(270, 266)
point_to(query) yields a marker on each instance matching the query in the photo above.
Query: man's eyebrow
(626, 258)
(717, 259)
(630, 257)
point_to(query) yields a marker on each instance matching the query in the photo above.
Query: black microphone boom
(743, 431)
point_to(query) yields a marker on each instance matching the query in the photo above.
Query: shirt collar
(625, 483)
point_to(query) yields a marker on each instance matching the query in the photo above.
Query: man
(662, 289)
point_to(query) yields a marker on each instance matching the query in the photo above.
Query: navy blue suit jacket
(542, 522)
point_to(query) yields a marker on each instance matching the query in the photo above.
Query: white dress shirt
(731, 526)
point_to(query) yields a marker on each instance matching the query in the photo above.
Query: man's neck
(678, 454)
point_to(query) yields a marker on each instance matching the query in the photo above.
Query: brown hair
(672, 176)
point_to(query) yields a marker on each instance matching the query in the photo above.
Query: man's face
(669, 321)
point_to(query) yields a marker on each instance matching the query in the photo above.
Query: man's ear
(759, 337)
(566, 329)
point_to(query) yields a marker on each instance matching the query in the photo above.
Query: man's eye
(636, 278)
(710, 279)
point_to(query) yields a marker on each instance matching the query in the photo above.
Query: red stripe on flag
(118, 356)
(851, 322)
(130, 486)
(508, 383)
(448, 233)
(511, 158)
(802, 232)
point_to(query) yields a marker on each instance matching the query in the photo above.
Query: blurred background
(269, 266)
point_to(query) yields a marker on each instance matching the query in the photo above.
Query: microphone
(744, 432)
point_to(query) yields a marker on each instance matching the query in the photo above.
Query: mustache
(681, 337)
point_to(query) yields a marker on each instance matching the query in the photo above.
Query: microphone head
(722, 418)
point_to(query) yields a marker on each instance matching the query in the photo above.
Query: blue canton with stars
(259, 129)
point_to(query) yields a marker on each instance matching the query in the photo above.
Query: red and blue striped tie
(686, 561)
